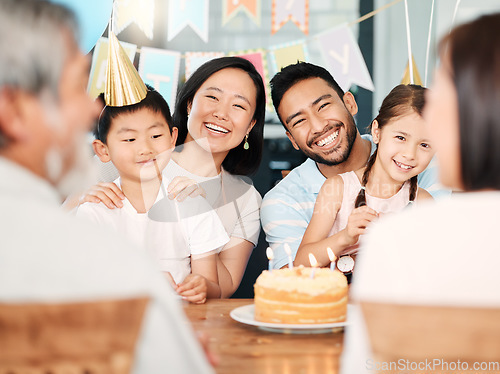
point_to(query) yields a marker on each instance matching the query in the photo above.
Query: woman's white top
(444, 252)
(234, 198)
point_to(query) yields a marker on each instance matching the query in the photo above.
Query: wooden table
(247, 349)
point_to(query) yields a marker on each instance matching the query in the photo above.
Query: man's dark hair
(153, 101)
(293, 74)
(239, 160)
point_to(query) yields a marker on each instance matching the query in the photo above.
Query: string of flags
(160, 67)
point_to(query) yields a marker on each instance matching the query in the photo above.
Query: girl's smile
(403, 166)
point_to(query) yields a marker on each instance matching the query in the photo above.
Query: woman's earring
(246, 145)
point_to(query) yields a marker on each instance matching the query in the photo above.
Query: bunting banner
(416, 75)
(194, 60)
(97, 79)
(139, 11)
(182, 13)
(230, 8)
(296, 11)
(160, 69)
(286, 54)
(344, 59)
(258, 58)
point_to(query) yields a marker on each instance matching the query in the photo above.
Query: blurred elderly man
(45, 255)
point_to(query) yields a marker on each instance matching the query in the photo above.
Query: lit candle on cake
(289, 254)
(270, 257)
(314, 263)
(332, 258)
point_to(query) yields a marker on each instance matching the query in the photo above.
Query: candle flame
(269, 253)
(312, 260)
(331, 255)
(287, 249)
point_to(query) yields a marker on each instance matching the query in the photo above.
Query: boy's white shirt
(193, 228)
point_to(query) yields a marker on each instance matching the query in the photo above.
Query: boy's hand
(170, 279)
(107, 193)
(357, 222)
(193, 289)
(182, 187)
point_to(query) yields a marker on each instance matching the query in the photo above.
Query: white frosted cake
(291, 296)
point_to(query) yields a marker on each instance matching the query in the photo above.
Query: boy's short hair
(153, 101)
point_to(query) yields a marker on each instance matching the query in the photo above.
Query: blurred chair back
(71, 338)
(423, 334)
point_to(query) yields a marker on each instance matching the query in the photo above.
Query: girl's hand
(359, 219)
(107, 193)
(193, 289)
(182, 187)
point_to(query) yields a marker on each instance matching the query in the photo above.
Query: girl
(442, 295)
(348, 202)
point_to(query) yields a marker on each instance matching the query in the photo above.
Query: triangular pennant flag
(286, 54)
(194, 60)
(230, 8)
(139, 11)
(160, 69)
(416, 76)
(124, 86)
(295, 10)
(344, 58)
(182, 13)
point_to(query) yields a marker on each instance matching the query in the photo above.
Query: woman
(219, 114)
(445, 254)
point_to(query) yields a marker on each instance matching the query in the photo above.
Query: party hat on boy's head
(124, 86)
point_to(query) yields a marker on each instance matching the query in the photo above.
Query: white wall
(391, 48)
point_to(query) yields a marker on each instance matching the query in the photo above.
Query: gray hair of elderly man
(32, 45)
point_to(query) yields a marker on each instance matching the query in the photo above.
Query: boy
(183, 237)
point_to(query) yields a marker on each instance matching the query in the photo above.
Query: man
(318, 119)
(46, 255)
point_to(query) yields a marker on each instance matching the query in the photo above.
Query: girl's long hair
(399, 101)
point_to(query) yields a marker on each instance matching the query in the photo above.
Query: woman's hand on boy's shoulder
(107, 193)
(182, 187)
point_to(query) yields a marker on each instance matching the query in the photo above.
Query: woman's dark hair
(473, 50)
(238, 160)
(153, 101)
(290, 75)
(399, 101)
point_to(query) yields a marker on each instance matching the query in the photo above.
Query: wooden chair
(71, 338)
(420, 333)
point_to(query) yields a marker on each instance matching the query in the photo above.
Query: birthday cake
(292, 296)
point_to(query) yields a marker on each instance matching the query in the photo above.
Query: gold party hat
(416, 76)
(124, 86)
